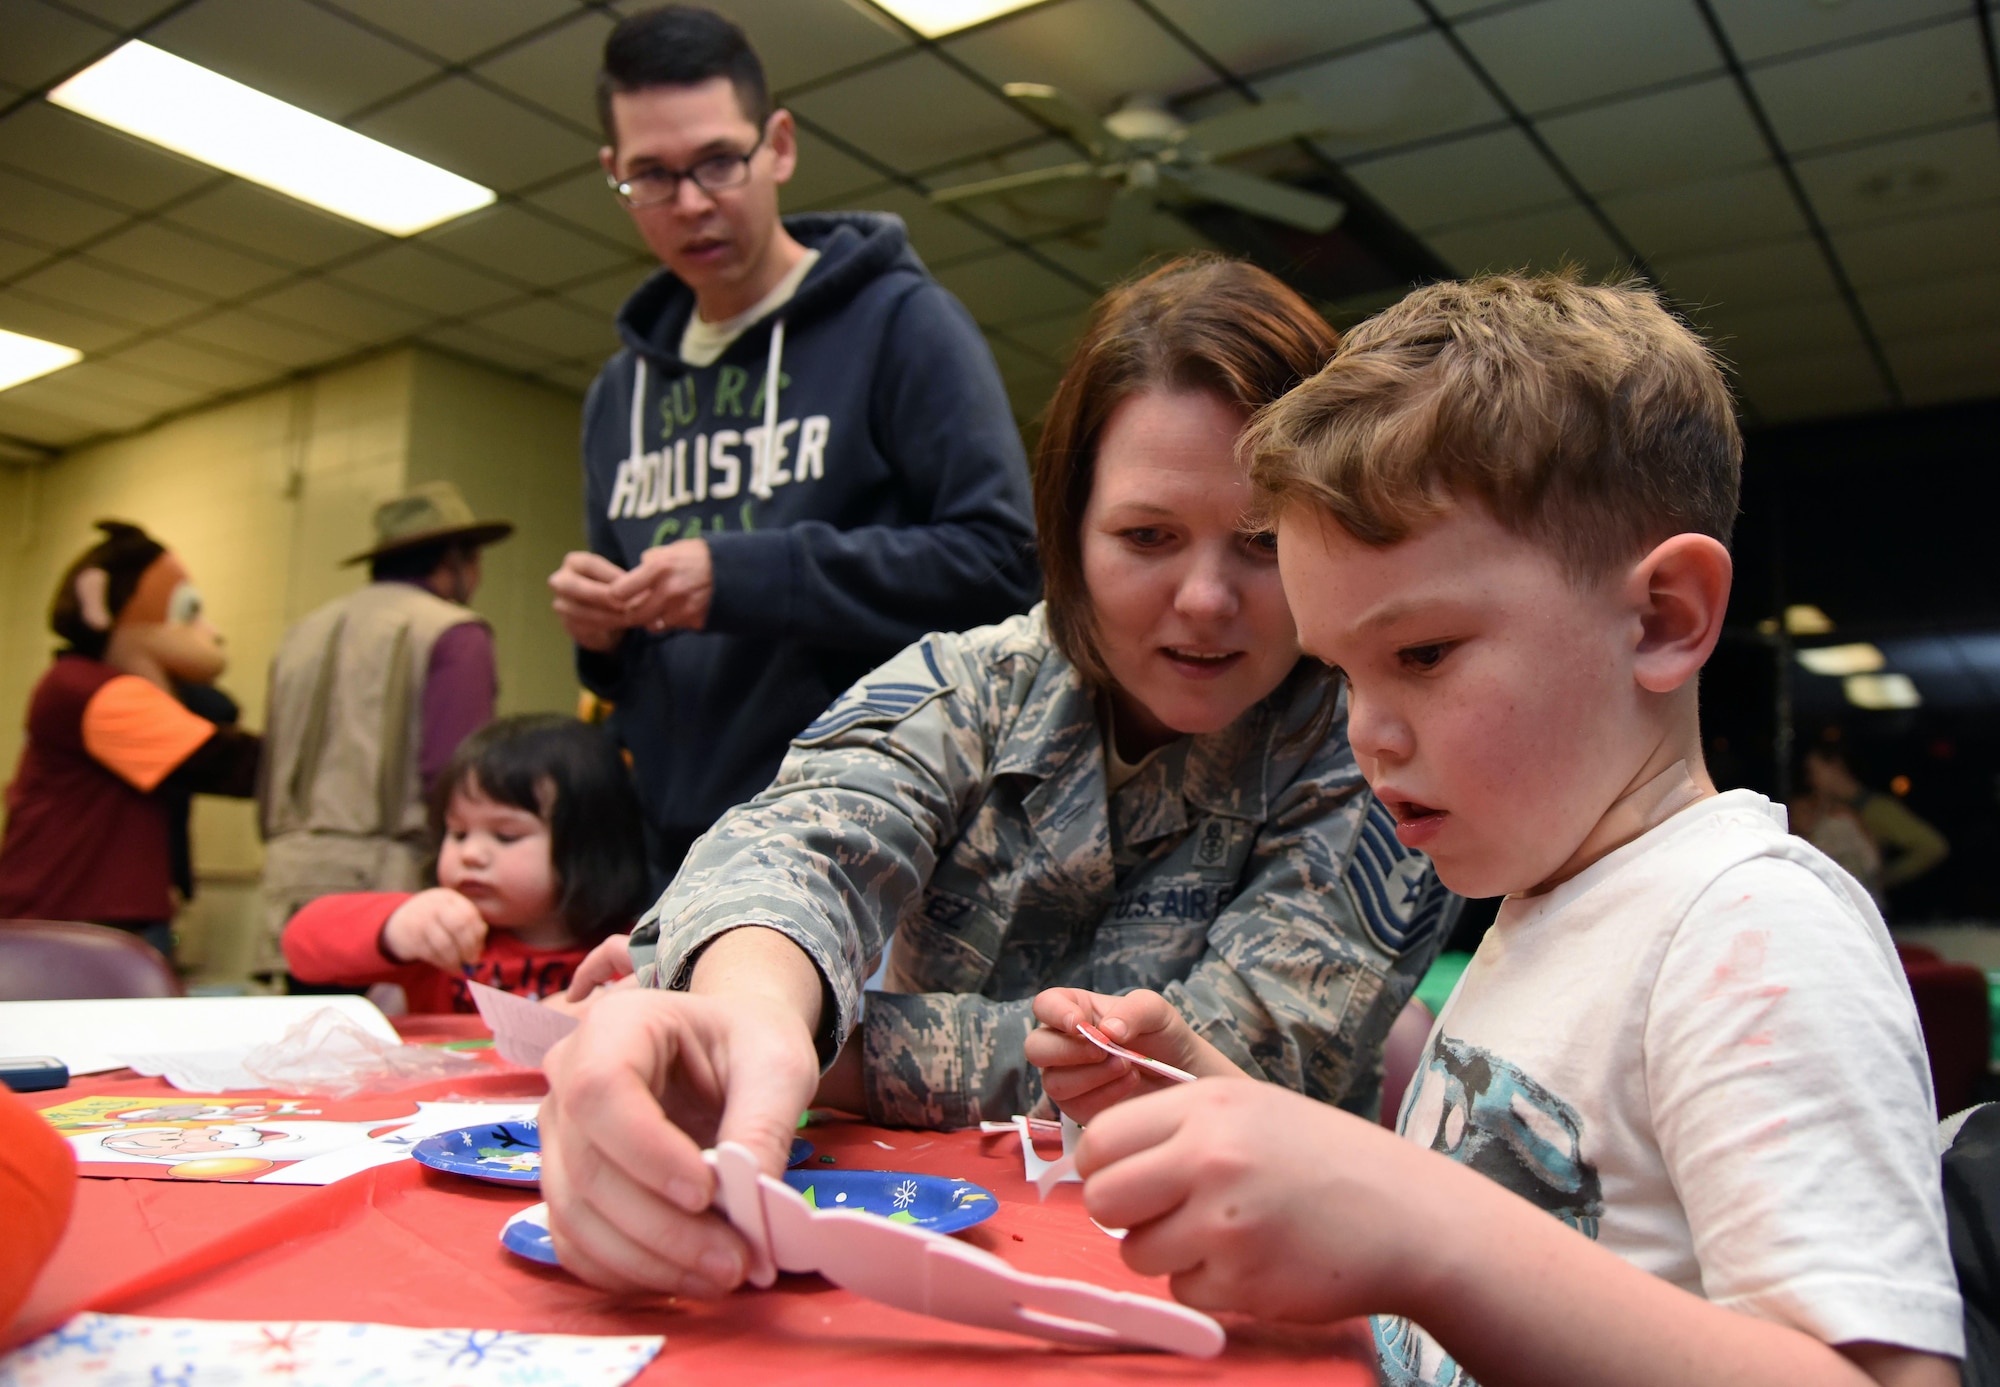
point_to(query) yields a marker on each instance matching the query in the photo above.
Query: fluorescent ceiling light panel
(148, 92)
(1841, 660)
(1804, 619)
(24, 358)
(1881, 691)
(936, 18)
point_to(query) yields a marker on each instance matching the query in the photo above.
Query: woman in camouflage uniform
(1139, 784)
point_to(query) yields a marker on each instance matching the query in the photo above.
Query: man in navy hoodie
(802, 460)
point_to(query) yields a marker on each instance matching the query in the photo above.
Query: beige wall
(262, 498)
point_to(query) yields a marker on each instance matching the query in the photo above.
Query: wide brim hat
(434, 513)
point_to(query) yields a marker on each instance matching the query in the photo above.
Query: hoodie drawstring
(767, 456)
(638, 407)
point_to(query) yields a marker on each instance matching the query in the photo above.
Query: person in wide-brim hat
(433, 513)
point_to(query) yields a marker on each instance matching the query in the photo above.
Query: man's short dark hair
(679, 46)
(411, 565)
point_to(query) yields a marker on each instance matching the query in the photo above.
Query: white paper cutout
(523, 1031)
(94, 1350)
(93, 1036)
(917, 1269)
(1112, 1047)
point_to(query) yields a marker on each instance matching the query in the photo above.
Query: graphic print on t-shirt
(1483, 1112)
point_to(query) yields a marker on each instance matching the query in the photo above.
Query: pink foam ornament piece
(917, 1269)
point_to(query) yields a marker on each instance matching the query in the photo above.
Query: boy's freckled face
(1491, 702)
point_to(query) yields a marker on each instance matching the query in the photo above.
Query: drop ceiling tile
(503, 352)
(1812, 385)
(45, 45)
(178, 359)
(140, 389)
(1389, 95)
(1542, 240)
(1673, 136)
(552, 327)
(1877, 88)
(1750, 276)
(410, 274)
(50, 216)
(583, 200)
(61, 395)
(1901, 178)
(122, 14)
(1762, 334)
(95, 159)
(558, 70)
(606, 294)
(803, 43)
(1479, 177)
(51, 428)
(514, 242)
(1083, 253)
(1761, 29)
(460, 126)
(1029, 377)
(273, 224)
(937, 234)
(915, 111)
(458, 29)
(1009, 287)
(17, 255)
(1933, 370)
(277, 343)
(294, 51)
(1096, 51)
(352, 316)
(1690, 218)
(1917, 248)
(1247, 36)
(194, 264)
(1566, 51)
(111, 294)
(1947, 304)
(1052, 338)
(22, 311)
(824, 172)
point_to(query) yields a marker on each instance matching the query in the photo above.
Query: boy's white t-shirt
(1701, 1051)
(702, 344)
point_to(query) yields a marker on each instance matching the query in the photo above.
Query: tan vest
(345, 719)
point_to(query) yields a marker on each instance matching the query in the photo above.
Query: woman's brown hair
(1201, 323)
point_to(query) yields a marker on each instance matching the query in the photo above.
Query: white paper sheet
(523, 1031)
(93, 1036)
(95, 1350)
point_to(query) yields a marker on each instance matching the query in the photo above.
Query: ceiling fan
(1154, 156)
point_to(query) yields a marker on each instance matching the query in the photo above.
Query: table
(403, 1244)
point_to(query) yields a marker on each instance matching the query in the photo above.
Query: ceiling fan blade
(1125, 239)
(1261, 196)
(1254, 127)
(1012, 182)
(1051, 107)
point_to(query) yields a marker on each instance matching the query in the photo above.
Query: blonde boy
(1675, 1126)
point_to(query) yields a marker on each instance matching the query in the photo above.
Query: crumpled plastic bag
(325, 1054)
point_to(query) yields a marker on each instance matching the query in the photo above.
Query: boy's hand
(438, 927)
(602, 966)
(1081, 1079)
(1254, 1198)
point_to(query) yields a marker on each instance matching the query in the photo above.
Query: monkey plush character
(110, 748)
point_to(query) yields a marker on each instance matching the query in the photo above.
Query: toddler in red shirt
(539, 859)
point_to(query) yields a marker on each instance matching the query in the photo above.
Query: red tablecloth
(406, 1245)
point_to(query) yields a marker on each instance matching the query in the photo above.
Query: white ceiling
(1817, 181)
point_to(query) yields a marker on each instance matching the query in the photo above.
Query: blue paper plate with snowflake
(928, 1201)
(507, 1153)
(526, 1234)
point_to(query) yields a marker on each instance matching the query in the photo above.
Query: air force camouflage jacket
(956, 798)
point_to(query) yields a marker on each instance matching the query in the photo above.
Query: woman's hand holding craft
(647, 1081)
(438, 927)
(1084, 1081)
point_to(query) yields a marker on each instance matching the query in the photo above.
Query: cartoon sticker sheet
(293, 1141)
(95, 1350)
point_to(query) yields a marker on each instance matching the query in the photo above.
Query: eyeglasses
(716, 174)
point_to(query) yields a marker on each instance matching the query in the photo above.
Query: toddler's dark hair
(569, 775)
